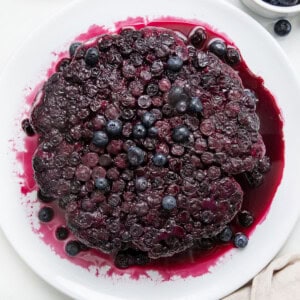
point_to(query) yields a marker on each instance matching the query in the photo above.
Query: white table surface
(17, 19)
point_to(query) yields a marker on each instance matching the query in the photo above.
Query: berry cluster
(140, 137)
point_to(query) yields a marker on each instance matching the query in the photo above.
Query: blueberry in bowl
(149, 143)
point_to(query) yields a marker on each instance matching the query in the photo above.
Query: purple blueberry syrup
(151, 147)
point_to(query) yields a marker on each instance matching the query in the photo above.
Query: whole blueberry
(61, 233)
(141, 184)
(159, 159)
(46, 214)
(282, 27)
(218, 47)
(114, 127)
(27, 128)
(100, 139)
(44, 198)
(176, 94)
(73, 47)
(102, 184)
(226, 235)
(240, 240)
(135, 156)
(195, 105)
(139, 131)
(174, 63)
(91, 57)
(180, 134)
(72, 248)
(148, 119)
(181, 106)
(169, 202)
(123, 260)
(245, 218)
(152, 132)
(198, 37)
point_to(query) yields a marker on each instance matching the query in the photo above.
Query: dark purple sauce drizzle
(258, 200)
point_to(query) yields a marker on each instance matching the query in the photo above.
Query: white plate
(28, 67)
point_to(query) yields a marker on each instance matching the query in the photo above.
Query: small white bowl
(271, 11)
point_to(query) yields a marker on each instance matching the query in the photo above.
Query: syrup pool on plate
(256, 200)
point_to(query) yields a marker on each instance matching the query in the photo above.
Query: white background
(17, 19)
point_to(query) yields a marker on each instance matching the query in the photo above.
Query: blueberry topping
(176, 94)
(174, 63)
(159, 159)
(139, 131)
(148, 119)
(282, 27)
(123, 260)
(141, 259)
(100, 139)
(195, 105)
(44, 198)
(198, 37)
(152, 132)
(102, 184)
(240, 240)
(226, 235)
(232, 56)
(181, 106)
(27, 128)
(72, 248)
(73, 47)
(141, 184)
(114, 128)
(169, 202)
(218, 47)
(135, 156)
(245, 218)
(46, 214)
(180, 134)
(92, 57)
(61, 233)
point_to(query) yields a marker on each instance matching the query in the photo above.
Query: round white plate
(28, 67)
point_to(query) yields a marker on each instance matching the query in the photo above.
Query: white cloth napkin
(280, 280)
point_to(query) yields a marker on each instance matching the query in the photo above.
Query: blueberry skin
(148, 119)
(139, 131)
(226, 235)
(91, 57)
(152, 132)
(61, 233)
(181, 106)
(46, 214)
(240, 240)
(100, 139)
(102, 184)
(72, 248)
(177, 94)
(218, 47)
(135, 156)
(282, 27)
(141, 184)
(180, 134)
(174, 63)
(73, 47)
(114, 127)
(159, 159)
(169, 202)
(195, 105)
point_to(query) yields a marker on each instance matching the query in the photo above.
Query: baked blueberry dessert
(142, 138)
